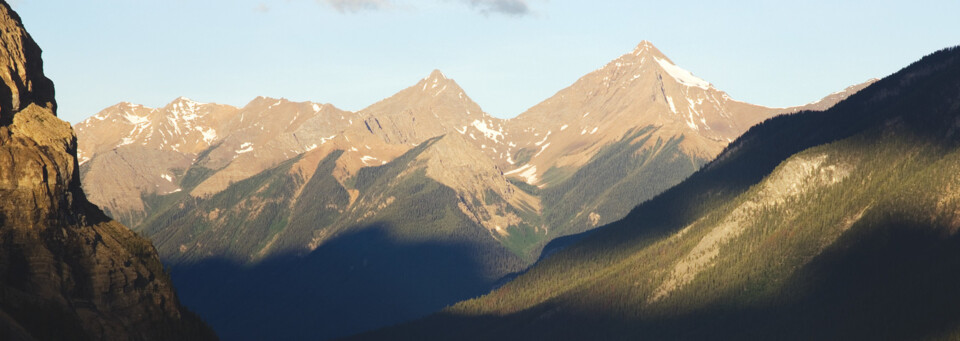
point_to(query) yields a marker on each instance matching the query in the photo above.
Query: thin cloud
(516, 8)
(354, 6)
(506, 7)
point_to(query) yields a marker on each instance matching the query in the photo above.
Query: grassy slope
(873, 255)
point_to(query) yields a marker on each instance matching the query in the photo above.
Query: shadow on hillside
(355, 282)
(896, 281)
(920, 101)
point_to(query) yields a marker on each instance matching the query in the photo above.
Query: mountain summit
(434, 106)
(640, 88)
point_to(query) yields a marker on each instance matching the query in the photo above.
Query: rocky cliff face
(66, 270)
(21, 69)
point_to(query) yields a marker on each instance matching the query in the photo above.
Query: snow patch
(325, 139)
(367, 158)
(209, 135)
(681, 75)
(134, 119)
(246, 147)
(544, 138)
(441, 90)
(488, 132)
(125, 141)
(691, 123)
(672, 107)
(542, 149)
(528, 172)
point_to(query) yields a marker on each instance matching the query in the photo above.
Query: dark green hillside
(840, 224)
(234, 223)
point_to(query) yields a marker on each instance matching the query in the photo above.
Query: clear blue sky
(507, 54)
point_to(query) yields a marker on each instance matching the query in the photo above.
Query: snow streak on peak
(681, 75)
(642, 47)
(436, 75)
(183, 103)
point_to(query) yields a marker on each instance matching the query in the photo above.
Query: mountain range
(399, 209)
(639, 203)
(835, 224)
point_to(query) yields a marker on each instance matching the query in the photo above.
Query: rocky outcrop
(21, 69)
(67, 271)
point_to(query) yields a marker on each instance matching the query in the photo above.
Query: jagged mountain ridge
(235, 145)
(840, 224)
(67, 271)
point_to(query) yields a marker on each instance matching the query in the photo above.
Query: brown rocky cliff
(66, 270)
(21, 69)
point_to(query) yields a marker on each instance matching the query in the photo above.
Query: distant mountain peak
(437, 83)
(643, 47)
(646, 49)
(119, 106)
(183, 101)
(437, 75)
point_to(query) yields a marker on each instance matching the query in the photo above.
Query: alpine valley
(298, 220)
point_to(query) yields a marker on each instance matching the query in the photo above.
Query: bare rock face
(21, 69)
(66, 270)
